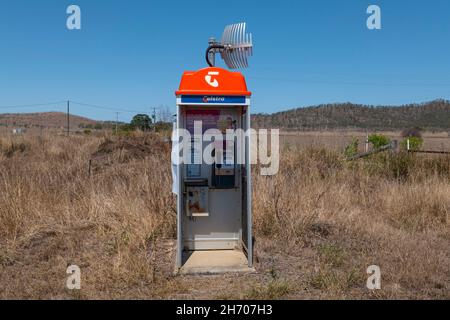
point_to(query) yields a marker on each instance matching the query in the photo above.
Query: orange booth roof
(213, 81)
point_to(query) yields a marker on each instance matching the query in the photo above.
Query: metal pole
(248, 157)
(212, 53)
(68, 117)
(179, 189)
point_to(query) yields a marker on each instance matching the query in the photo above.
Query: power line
(351, 83)
(107, 108)
(89, 105)
(32, 105)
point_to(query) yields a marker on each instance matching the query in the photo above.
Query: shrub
(13, 147)
(163, 126)
(352, 148)
(415, 143)
(378, 140)
(125, 130)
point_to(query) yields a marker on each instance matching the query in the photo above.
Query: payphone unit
(214, 217)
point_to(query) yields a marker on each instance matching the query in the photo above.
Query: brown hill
(44, 119)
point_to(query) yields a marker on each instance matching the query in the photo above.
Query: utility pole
(68, 117)
(154, 119)
(117, 121)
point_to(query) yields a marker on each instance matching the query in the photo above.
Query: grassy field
(319, 223)
(337, 140)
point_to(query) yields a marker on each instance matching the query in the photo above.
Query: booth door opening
(213, 192)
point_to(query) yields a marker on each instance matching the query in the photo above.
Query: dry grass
(339, 139)
(319, 224)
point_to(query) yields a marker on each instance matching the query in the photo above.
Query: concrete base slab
(214, 262)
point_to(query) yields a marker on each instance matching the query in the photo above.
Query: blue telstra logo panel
(213, 99)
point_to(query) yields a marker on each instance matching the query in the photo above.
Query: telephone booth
(214, 216)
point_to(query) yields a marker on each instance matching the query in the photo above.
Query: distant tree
(141, 121)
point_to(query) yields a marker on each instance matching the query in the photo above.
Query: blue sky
(130, 54)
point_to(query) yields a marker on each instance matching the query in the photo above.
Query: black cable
(211, 47)
(32, 105)
(350, 83)
(77, 103)
(107, 108)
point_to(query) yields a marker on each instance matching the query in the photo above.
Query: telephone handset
(223, 174)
